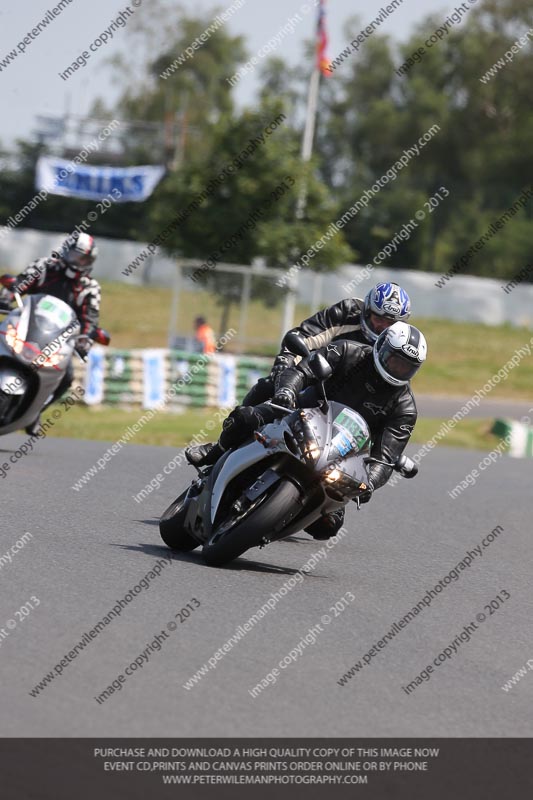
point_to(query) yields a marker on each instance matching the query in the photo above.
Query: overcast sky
(31, 84)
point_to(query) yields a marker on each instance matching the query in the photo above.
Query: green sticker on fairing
(350, 422)
(55, 310)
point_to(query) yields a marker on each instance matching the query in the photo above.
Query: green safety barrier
(518, 435)
(123, 381)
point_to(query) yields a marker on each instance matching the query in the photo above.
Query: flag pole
(306, 153)
(308, 137)
(321, 63)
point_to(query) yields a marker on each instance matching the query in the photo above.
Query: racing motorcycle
(296, 469)
(37, 341)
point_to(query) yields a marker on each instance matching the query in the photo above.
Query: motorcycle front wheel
(171, 526)
(266, 514)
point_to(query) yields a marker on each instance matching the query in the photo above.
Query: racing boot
(327, 526)
(203, 455)
(34, 427)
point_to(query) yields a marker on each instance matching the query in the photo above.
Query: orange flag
(323, 62)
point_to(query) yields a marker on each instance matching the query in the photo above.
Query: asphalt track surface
(446, 407)
(90, 547)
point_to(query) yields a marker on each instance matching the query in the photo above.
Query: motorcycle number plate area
(56, 312)
(353, 426)
(264, 482)
(343, 443)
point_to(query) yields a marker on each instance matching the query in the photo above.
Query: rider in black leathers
(372, 380)
(357, 320)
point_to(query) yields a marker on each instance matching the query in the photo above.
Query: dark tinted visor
(397, 365)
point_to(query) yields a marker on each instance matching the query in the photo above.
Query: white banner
(123, 184)
(153, 377)
(94, 377)
(227, 381)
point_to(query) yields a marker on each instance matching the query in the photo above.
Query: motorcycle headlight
(13, 341)
(333, 475)
(305, 438)
(341, 482)
(312, 451)
(51, 361)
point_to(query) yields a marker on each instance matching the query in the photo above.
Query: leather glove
(281, 363)
(83, 345)
(285, 397)
(366, 496)
(6, 298)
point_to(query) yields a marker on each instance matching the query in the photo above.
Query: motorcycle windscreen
(50, 318)
(350, 434)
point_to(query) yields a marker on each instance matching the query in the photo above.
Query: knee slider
(242, 419)
(242, 415)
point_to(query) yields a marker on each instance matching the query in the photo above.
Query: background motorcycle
(297, 469)
(37, 340)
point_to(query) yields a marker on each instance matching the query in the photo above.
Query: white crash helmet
(79, 252)
(399, 352)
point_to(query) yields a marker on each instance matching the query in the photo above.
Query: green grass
(462, 356)
(108, 424)
(139, 317)
(176, 430)
(473, 434)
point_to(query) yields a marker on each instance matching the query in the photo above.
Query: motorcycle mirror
(406, 467)
(101, 336)
(295, 342)
(320, 368)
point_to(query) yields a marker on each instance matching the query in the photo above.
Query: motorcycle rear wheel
(257, 524)
(171, 526)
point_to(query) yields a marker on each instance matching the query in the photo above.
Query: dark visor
(397, 365)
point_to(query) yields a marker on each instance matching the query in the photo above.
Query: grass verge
(175, 430)
(461, 356)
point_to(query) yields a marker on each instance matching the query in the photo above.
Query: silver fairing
(279, 439)
(237, 462)
(36, 345)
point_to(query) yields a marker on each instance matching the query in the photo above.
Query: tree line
(470, 83)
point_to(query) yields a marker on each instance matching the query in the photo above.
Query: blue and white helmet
(399, 352)
(386, 300)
